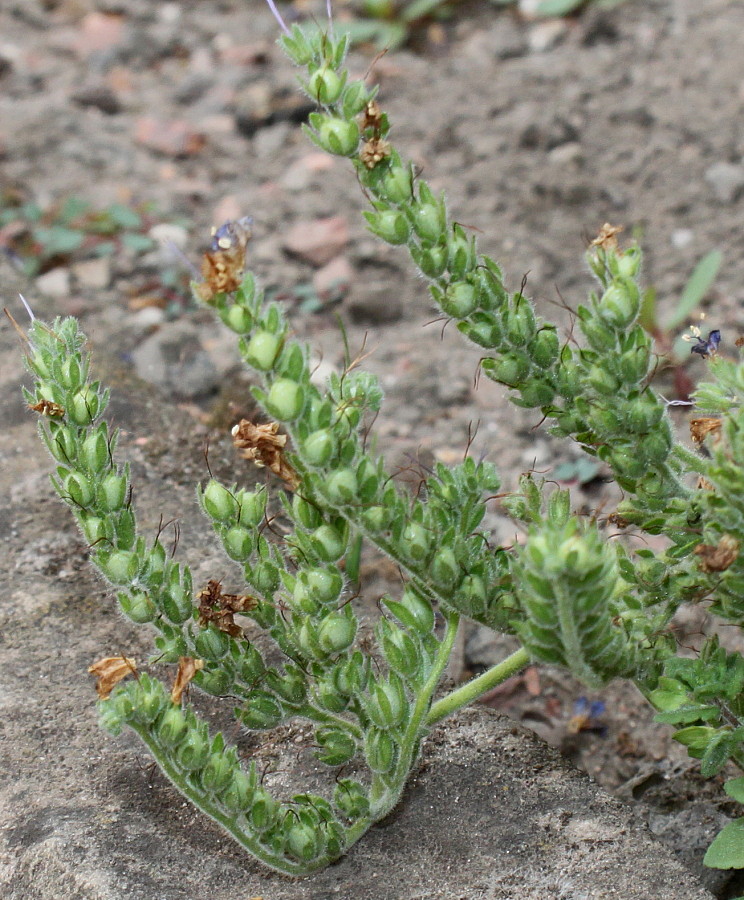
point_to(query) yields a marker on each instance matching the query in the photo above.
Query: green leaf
(735, 788)
(72, 208)
(696, 288)
(558, 7)
(124, 216)
(58, 240)
(647, 315)
(727, 850)
(419, 9)
(139, 243)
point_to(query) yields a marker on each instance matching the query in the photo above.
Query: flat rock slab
(492, 811)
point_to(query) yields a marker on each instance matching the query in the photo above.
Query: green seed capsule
(172, 727)
(120, 567)
(341, 486)
(396, 185)
(302, 841)
(218, 502)
(317, 449)
(83, 408)
(238, 795)
(238, 319)
(336, 747)
(427, 220)
(325, 86)
(444, 568)
(337, 136)
(415, 542)
(138, 607)
(380, 750)
(336, 633)
(218, 772)
(192, 752)
(211, 644)
(111, 492)
(265, 810)
(238, 543)
(389, 225)
(286, 400)
(262, 711)
(329, 543)
(460, 300)
(79, 489)
(350, 798)
(262, 350)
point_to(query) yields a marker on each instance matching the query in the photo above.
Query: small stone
(682, 237)
(299, 175)
(374, 303)
(93, 273)
(98, 96)
(174, 137)
(565, 154)
(318, 241)
(174, 360)
(99, 32)
(269, 140)
(55, 282)
(333, 280)
(544, 36)
(726, 179)
(166, 234)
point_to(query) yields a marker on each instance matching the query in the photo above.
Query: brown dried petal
(48, 408)
(262, 445)
(187, 668)
(374, 151)
(718, 558)
(607, 237)
(223, 265)
(704, 485)
(372, 116)
(739, 342)
(109, 671)
(701, 428)
(217, 607)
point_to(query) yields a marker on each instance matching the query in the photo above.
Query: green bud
(355, 99)
(628, 263)
(634, 364)
(328, 543)
(218, 772)
(460, 300)
(626, 461)
(510, 369)
(337, 136)
(192, 751)
(350, 799)
(262, 350)
(177, 605)
(151, 702)
(94, 528)
(252, 506)
(599, 336)
(396, 185)
(380, 750)
(642, 414)
(172, 727)
(79, 489)
(325, 86)
(62, 443)
(603, 381)
(323, 585)
(415, 542)
(483, 330)
(138, 607)
(111, 492)
(336, 747)
(83, 407)
(265, 810)
(238, 319)
(620, 304)
(238, 543)
(387, 704)
(568, 380)
(329, 697)
(462, 257)
(520, 324)
(377, 518)
(286, 400)
(432, 261)
(400, 650)
(302, 842)
(264, 576)
(239, 793)
(444, 567)
(261, 711)
(119, 567)
(69, 374)
(655, 447)
(474, 594)
(218, 682)
(218, 502)
(427, 219)
(389, 225)
(251, 664)
(536, 392)
(291, 687)
(317, 449)
(336, 632)
(544, 348)
(419, 609)
(341, 486)
(211, 644)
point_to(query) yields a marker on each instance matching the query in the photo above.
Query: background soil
(539, 132)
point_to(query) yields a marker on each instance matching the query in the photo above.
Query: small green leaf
(727, 850)
(72, 208)
(558, 7)
(58, 240)
(735, 789)
(139, 243)
(696, 288)
(124, 216)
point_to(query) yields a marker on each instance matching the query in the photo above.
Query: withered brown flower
(109, 671)
(219, 608)
(701, 428)
(48, 408)
(223, 264)
(265, 447)
(717, 558)
(374, 151)
(607, 237)
(187, 668)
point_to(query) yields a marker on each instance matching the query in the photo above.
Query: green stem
(691, 460)
(473, 689)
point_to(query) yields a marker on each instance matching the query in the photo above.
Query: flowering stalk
(572, 597)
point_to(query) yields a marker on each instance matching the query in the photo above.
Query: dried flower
(717, 558)
(48, 408)
(701, 428)
(224, 263)
(187, 669)
(374, 151)
(219, 608)
(607, 237)
(262, 445)
(109, 671)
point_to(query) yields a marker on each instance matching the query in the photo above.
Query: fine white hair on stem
(277, 16)
(28, 308)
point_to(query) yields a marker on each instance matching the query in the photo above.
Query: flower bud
(642, 414)
(626, 461)
(337, 136)
(415, 542)
(211, 644)
(325, 86)
(509, 369)
(544, 348)
(428, 221)
(261, 711)
(238, 543)
(83, 407)
(389, 225)
(396, 185)
(302, 841)
(336, 632)
(328, 543)
(317, 448)
(239, 793)
(192, 751)
(444, 567)
(218, 502)
(341, 486)
(79, 489)
(520, 324)
(336, 747)
(327, 696)
(620, 304)
(387, 704)
(350, 799)
(137, 606)
(629, 262)
(355, 98)
(655, 447)
(462, 258)
(238, 319)
(285, 400)
(460, 300)
(172, 727)
(634, 364)
(252, 508)
(265, 810)
(432, 261)
(111, 492)
(119, 567)
(380, 750)
(262, 350)
(218, 772)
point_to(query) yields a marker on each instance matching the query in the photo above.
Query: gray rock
(726, 179)
(174, 360)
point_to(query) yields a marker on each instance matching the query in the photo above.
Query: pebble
(55, 282)
(174, 360)
(374, 303)
(94, 274)
(166, 234)
(544, 36)
(682, 237)
(317, 241)
(98, 96)
(726, 179)
(333, 280)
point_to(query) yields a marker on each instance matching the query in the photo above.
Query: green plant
(574, 598)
